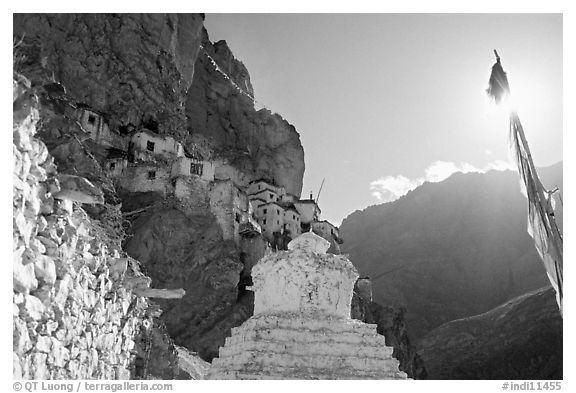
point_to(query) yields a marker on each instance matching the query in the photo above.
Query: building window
(277, 211)
(91, 119)
(271, 197)
(151, 175)
(264, 221)
(293, 217)
(278, 222)
(237, 217)
(264, 212)
(258, 186)
(112, 165)
(149, 146)
(196, 169)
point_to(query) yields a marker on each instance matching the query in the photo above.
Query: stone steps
(265, 359)
(312, 322)
(305, 336)
(301, 327)
(271, 372)
(328, 375)
(297, 343)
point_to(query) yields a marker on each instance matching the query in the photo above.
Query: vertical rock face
(301, 328)
(135, 68)
(188, 252)
(261, 144)
(135, 72)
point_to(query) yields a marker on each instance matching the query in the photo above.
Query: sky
(383, 102)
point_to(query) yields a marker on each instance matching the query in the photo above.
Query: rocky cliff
(150, 72)
(134, 68)
(156, 73)
(261, 144)
(521, 339)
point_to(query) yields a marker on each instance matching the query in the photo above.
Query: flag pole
(541, 222)
(539, 187)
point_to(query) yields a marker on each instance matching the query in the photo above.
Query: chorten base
(299, 346)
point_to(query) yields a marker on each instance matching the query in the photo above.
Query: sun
(528, 94)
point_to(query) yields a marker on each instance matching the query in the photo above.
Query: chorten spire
(301, 328)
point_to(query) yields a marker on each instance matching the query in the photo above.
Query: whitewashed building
(187, 166)
(291, 221)
(145, 146)
(270, 216)
(233, 211)
(327, 230)
(309, 211)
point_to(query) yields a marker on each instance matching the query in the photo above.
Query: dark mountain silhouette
(451, 249)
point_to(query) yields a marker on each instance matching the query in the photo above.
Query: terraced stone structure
(301, 328)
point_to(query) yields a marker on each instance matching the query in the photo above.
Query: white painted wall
(135, 178)
(304, 280)
(166, 147)
(292, 222)
(260, 185)
(308, 211)
(325, 229)
(181, 167)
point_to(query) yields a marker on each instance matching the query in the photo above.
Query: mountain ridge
(520, 339)
(450, 249)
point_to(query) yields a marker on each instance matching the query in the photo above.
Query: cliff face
(135, 68)
(187, 251)
(259, 143)
(521, 339)
(147, 70)
(146, 73)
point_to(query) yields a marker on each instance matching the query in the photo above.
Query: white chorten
(301, 328)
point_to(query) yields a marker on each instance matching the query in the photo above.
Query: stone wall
(135, 178)
(166, 147)
(228, 203)
(191, 194)
(181, 167)
(74, 313)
